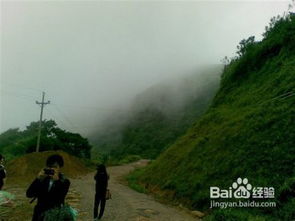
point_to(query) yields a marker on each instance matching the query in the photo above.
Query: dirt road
(126, 204)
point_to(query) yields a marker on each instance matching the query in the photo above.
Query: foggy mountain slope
(92, 56)
(158, 116)
(248, 132)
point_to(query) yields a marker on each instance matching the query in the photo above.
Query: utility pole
(40, 121)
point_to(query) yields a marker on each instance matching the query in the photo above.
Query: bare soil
(126, 204)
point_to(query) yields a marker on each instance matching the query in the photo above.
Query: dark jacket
(47, 199)
(2, 175)
(101, 184)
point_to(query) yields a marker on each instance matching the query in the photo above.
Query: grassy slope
(245, 133)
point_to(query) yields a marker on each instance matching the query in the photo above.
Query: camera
(49, 171)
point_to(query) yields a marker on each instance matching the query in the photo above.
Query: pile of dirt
(28, 166)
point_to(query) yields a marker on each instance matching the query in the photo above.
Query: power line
(280, 97)
(290, 95)
(26, 97)
(23, 96)
(56, 116)
(91, 107)
(66, 123)
(18, 85)
(64, 116)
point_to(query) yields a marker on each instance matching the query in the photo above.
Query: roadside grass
(132, 179)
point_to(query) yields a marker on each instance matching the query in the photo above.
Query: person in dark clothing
(2, 172)
(49, 188)
(101, 177)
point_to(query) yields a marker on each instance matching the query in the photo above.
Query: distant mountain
(158, 116)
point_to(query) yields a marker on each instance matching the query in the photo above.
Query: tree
(9, 137)
(52, 138)
(244, 45)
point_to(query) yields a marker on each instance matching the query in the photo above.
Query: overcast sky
(93, 57)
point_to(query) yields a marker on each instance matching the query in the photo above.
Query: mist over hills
(220, 126)
(158, 115)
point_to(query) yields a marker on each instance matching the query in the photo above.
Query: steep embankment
(160, 114)
(249, 131)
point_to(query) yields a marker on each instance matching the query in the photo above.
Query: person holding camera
(49, 188)
(2, 172)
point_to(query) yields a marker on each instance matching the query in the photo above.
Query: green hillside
(248, 131)
(159, 115)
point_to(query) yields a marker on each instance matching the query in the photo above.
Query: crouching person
(49, 188)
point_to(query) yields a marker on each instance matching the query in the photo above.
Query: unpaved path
(126, 204)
